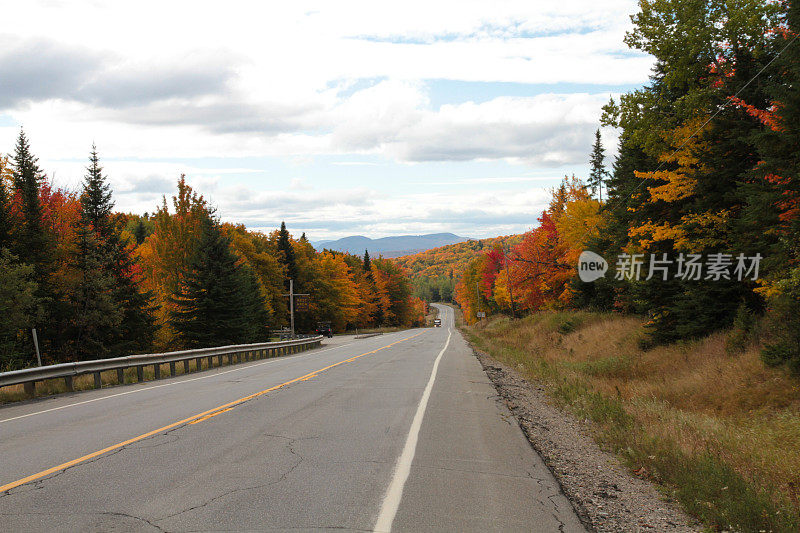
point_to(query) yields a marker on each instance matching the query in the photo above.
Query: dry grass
(692, 406)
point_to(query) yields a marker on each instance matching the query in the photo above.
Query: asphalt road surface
(398, 432)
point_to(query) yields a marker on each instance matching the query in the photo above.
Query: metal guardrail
(236, 353)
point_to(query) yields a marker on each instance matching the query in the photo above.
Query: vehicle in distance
(437, 322)
(324, 329)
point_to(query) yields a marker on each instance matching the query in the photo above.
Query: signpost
(36, 344)
(302, 303)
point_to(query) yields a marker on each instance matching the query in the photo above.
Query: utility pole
(291, 303)
(478, 294)
(291, 296)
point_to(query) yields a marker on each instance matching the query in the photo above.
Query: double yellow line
(199, 417)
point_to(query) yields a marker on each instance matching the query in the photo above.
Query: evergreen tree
(774, 201)
(289, 260)
(112, 315)
(598, 171)
(31, 242)
(139, 231)
(96, 204)
(217, 302)
(18, 306)
(95, 316)
(367, 264)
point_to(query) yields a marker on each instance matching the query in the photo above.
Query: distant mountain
(390, 246)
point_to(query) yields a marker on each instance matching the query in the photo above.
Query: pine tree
(113, 316)
(34, 245)
(774, 201)
(139, 231)
(289, 261)
(95, 316)
(96, 204)
(31, 242)
(367, 264)
(18, 306)
(598, 172)
(217, 302)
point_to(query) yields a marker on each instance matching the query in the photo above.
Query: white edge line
(272, 360)
(391, 500)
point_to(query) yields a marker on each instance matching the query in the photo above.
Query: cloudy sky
(341, 118)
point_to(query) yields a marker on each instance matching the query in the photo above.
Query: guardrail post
(30, 388)
(98, 383)
(120, 376)
(210, 362)
(157, 370)
(172, 369)
(185, 366)
(140, 373)
(69, 384)
(198, 364)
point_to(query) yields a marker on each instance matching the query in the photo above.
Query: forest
(434, 272)
(95, 283)
(707, 175)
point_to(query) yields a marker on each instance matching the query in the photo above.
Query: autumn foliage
(97, 283)
(535, 273)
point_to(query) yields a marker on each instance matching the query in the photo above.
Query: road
(397, 432)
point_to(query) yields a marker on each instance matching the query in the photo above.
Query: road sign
(480, 314)
(302, 302)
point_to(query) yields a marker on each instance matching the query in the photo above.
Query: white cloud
(256, 80)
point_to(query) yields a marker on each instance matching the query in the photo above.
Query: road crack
(290, 445)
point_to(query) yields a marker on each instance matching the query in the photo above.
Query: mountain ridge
(395, 246)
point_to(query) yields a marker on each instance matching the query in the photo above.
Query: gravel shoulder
(604, 494)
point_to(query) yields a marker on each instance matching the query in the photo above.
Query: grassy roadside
(716, 430)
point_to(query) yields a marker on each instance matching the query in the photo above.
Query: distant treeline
(96, 283)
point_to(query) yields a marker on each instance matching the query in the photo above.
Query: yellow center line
(194, 418)
(211, 415)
